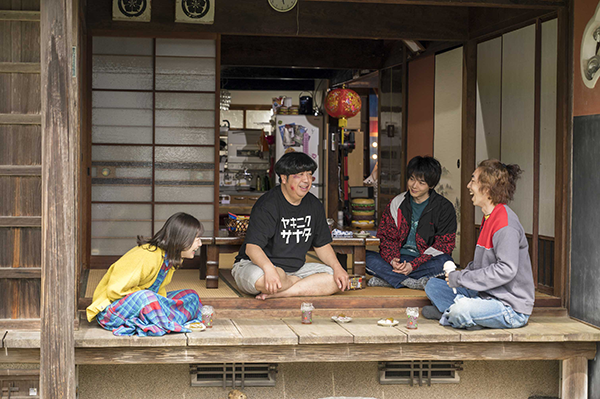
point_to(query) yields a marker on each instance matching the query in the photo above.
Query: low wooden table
(213, 246)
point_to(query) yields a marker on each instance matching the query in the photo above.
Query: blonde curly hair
(499, 180)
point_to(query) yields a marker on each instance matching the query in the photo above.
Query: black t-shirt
(286, 232)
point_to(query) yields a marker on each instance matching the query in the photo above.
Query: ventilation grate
(421, 372)
(233, 375)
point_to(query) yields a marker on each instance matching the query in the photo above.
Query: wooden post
(57, 351)
(564, 152)
(212, 266)
(358, 259)
(574, 378)
(469, 112)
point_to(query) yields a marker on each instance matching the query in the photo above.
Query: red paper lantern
(342, 103)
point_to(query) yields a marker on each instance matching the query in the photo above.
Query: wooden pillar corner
(59, 161)
(469, 113)
(574, 378)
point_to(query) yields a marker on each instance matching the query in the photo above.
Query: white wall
(518, 86)
(505, 115)
(489, 104)
(447, 125)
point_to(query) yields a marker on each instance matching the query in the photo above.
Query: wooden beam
(270, 84)
(18, 15)
(321, 353)
(20, 272)
(488, 23)
(547, 4)
(338, 353)
(59, 157)
(311, 19)
(564, 137)
(469, 113)
(20, 324)
(316, 52)
(20, 170)
(357, 303)
(332, 137)
(404, 112)
(20, 221)
(19, 67)
(394, 53)
(574, 378)
(20, 119)
(19, 373)
(535, 239)
(259, 73)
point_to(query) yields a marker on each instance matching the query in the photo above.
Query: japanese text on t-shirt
(299, 227)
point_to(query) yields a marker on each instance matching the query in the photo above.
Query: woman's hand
(272, 281)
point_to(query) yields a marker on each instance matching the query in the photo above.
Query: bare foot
(262, 296)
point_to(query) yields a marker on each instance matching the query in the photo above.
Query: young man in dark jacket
(417, 231)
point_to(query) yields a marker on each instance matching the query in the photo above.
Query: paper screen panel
(518, 85)
(121, 72)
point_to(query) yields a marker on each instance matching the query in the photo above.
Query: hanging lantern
(342, 103)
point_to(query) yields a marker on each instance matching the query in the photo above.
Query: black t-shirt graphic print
(286, 232)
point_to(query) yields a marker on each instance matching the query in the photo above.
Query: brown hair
(177, 235)
(500, 180)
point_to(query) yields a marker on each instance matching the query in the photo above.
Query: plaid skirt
(146, 313)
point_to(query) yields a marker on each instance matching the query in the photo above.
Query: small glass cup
(413, 318)
(207, 316)
(307, 309)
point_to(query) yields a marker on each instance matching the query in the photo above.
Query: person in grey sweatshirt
(496, 289)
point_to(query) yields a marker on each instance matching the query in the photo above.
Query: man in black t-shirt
(284, 224)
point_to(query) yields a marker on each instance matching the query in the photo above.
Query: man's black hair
(426, 168)
(294, 162)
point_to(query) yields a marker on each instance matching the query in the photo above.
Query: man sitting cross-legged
(284, 224)
(417, 231)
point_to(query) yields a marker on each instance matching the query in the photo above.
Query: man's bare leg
(286, 281)
(314, 285)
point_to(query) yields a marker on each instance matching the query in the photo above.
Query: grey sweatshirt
(501, 268)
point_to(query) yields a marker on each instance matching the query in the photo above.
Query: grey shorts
(246, 274)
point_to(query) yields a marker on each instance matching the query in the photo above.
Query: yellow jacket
(136, 270)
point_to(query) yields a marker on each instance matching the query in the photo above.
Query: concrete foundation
(479, 379)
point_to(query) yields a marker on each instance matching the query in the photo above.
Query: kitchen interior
(266, 111)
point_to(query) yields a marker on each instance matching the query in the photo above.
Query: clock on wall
(283, 5)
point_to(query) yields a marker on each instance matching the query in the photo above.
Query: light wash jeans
(380, 268)
(467, 309)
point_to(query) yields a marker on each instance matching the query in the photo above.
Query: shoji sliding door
(153, 137)
(516, 128)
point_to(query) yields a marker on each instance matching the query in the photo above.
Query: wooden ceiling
(327, 34)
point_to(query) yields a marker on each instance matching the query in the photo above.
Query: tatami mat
(368, 292)
(182, 279)
(189, 279)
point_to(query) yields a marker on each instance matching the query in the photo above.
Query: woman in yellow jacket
(132, 298)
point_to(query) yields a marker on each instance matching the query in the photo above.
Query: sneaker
(431, 313)
(416, 284)
(377, 282)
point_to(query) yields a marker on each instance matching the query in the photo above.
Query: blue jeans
(467, 309)
(380, 268)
